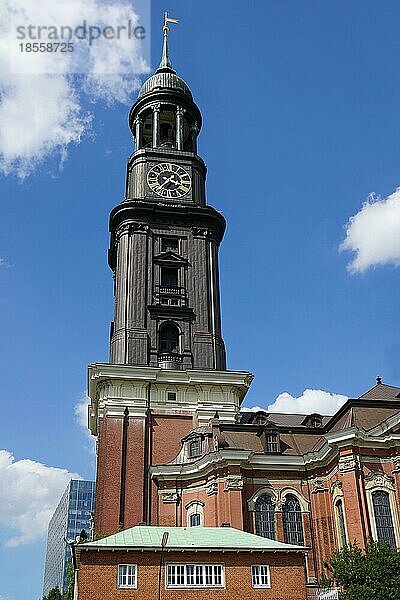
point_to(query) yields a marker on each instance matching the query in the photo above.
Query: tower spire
(165, 60)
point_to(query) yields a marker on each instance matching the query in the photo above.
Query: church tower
(164, 237)
(167, 371)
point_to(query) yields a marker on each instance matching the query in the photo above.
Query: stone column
(156, 124)
(233, 488)
(356, 513)
(179, 127)
(396, 475)
(118, 350)
(194, 131)
(138, 132)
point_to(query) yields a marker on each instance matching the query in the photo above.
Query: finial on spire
(378, 380)
(165, 60)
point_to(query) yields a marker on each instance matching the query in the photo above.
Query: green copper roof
(201, 538)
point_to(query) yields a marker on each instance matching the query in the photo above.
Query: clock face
(169, 181)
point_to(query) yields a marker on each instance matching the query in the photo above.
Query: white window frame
(189, 574)
(195, 507)
(260, 571)
(377, 481)
(126, 586)
(337, 494)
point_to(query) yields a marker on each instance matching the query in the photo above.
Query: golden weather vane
(167, 20)
(165, 61)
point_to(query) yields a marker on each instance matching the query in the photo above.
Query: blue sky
(301, 124)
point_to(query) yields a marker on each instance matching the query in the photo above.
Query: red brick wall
(97, 577)
(106, 516)
(134, 473)
(167, 434)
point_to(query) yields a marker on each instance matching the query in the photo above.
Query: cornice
(112, 388)
(203, 466)
(271, 462)
(189, 215)
(360, 437)
(360, 403)
(171, 312)
(103, 371)
(386, 425)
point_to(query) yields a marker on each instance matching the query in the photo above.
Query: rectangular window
(169, 245)
(260, 576)
(127, 576)
(271, 442)
(171, 396)
(169, 277)
(194, 576)
(195, 447)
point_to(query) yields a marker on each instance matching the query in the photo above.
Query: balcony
(170, 361)
(170, 295)
(172, 291)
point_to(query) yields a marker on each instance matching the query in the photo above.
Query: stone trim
(349, 463)
(234, 482)
(168, 497)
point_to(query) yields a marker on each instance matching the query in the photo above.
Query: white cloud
(41, 97)
(6, 265)
(81, 415)
(373, 233)
(310, 401)
(29, 494)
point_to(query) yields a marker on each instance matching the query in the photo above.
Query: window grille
(292, 521)
(127, 576)
(194, 575)
(265, 517)
(383, 517)
(195, 447)
(260, 576)
(271, 441)
(194, 520)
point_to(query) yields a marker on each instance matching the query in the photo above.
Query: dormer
(260, 418)
(313, 420)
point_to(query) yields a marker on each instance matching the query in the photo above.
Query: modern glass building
(73, 513)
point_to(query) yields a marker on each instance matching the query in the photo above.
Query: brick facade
(225, 481)
(97, 575)
(162, 396)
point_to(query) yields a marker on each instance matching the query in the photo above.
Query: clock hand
(162, 185)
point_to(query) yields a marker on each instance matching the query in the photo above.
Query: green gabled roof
(190, 538)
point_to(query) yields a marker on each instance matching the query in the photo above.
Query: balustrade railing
(332, 594)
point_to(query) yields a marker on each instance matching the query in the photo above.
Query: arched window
(195, 513)
(167, 127)
(169, 339)
(194, 520)
(147, 131)
(292, 521)
(195, 447)
(340, 523)
(265, 517)
(383, 517)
